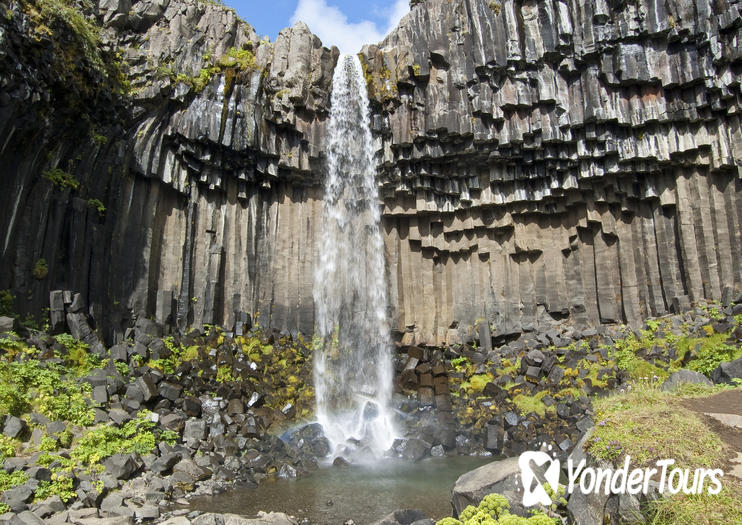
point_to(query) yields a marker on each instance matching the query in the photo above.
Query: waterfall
(352, 362)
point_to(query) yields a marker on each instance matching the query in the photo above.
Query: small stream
(364, 494)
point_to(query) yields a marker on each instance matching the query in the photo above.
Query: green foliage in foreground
(494, 509)
(101, 442)
(49, 388)
(27, 386)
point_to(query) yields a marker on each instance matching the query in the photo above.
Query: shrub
(78, 357)
(61, 179)
(6, 302)
(40, 269)
(97, 205)
(28, 384)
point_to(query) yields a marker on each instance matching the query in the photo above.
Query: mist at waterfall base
(352, 366)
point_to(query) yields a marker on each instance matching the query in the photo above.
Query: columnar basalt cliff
(538, 161)
(544, 160)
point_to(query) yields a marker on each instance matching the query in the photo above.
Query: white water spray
(353, 367)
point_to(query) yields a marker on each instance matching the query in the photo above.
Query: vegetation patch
(700, 509)
(43, 387)
(648, 424)
(97, 205)
(527, 404)
(61, 179)
(40, 269)
(103, 441)
(494, 509)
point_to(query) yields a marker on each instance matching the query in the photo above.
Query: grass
(648, 424)
(702, 509)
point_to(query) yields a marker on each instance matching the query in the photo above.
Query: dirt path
(723, 413)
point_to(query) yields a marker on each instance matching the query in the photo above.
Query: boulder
(191, 470)
(170, 391)
(165, 463)
(7, 324)
(587, 509)
(726, 372)
(122, 466)
(682, 377)
(192, 406)
(17, 497)
(412, 448)
(502, 477)
(119, 353)
(15, 428)
(24, 518)
(147, 386)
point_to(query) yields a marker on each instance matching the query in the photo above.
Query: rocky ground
(122, 433)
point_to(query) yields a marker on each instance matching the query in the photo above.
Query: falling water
(352, 369)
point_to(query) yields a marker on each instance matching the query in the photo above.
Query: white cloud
(331, 25)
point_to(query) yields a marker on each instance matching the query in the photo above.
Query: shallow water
(364, 494)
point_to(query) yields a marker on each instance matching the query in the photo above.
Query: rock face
(538, 161)
(557, 158)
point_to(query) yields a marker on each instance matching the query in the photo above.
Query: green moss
(237, 58)
(475, 383)
(49, 13)
(8, 447)
(224, 374)
(178, 354)
(496, 6)
(379, 82)
(706, 353)
(61, 484)
(527, 404)
(8, 481)
(77, 358)
(494, 509)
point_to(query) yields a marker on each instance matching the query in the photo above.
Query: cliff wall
(538, 162)
(561, 158)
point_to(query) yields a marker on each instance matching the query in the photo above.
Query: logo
(536, 493)
(592, 480)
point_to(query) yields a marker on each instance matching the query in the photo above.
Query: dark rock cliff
(559, 158)
(538, 161)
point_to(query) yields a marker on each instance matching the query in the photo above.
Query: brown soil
(729, 402)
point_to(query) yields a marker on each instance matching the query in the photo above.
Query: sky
(348, 24)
